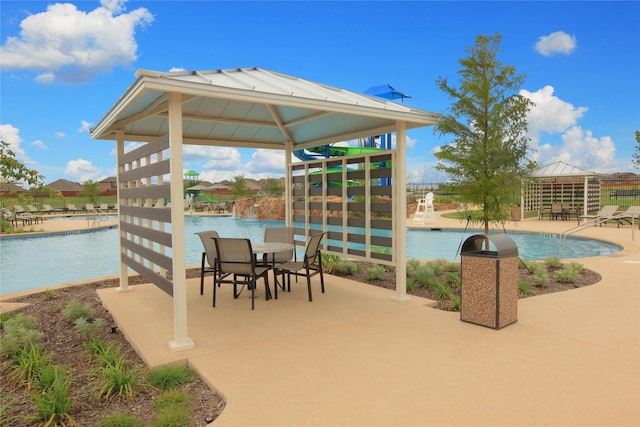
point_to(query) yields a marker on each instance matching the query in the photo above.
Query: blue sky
(63, 65)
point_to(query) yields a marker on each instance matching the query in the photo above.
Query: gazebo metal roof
(252, 107)
(561, 168)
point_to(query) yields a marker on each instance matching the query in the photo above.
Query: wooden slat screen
(145, 239)
(351, 199)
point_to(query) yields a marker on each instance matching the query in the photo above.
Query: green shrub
(375, 272)
(172, 417)
(54, 404)
(552, 261)
(423, 275)
(48, 295)
(120, 419)
(452, 279)
(19, 334)
(117, 380)
(76, 310)
(410, 283)
(346, 267)
(577, 267)
(567, 274)
(412, 265)
(451, 267)
(86, 329)
(172, 399)
(330, 262)
(524, 287)
(169, 377)
(454, 303)
(442, 291)
(437, 266)
(27, 365)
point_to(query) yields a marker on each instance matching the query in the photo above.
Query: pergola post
(400, 206)
(124, 271)
(288, 191)
(181, 341)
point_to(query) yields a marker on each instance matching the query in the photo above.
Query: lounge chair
(48, 209)
(72, 208)
(630, 216)
(32, 209)
(20, 213)
(88, 207)
(607, 212)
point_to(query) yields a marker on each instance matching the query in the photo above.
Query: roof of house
(64, 185)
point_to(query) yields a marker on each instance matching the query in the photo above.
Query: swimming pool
(38, 262)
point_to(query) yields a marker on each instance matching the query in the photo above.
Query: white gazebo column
(181, 341)
(288, 191)
(399, 187)
(124, 271)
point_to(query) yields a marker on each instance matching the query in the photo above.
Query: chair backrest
(18, 209)
(429, 198)
(47, 207)
(32, 208)
(6, 214)
(282, 235)
(556, 207)
(209, 245)
(89, 206)
(608, 210)
(104, 206)
(632, 211)
(235, 256)
(313, 248)
(72, 207)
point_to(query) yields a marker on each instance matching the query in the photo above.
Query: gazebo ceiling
(252, 107)
(560, 168)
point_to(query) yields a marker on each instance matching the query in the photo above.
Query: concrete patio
(355, 357)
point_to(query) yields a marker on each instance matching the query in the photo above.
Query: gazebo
(256, 108)
(561, 182)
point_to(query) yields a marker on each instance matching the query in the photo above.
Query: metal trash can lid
(504, 245)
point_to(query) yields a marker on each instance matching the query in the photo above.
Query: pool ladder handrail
(590, 223)
(101, 216)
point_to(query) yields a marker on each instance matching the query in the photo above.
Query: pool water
(38, 262)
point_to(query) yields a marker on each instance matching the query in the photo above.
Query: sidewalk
(355, 357)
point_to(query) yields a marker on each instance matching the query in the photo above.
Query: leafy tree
(239, 186)
(274, 187)
(636, 156)
(488, 125)
(13, 170)
(91, 190)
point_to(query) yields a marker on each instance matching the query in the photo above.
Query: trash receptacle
(489, 281)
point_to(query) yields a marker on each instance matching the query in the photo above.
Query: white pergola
(244, 107)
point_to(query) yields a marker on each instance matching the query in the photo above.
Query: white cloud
(39, 145)
(60, 135)
(219, 158)
(550, 113)
(558, 42)
(84, 127)
(81, 170)
(269, 163)
(73, 46)
(556, 134)
(11, 135)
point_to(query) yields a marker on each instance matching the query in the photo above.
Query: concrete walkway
(355, 357)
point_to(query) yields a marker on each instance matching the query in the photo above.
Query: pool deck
(356, 357)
